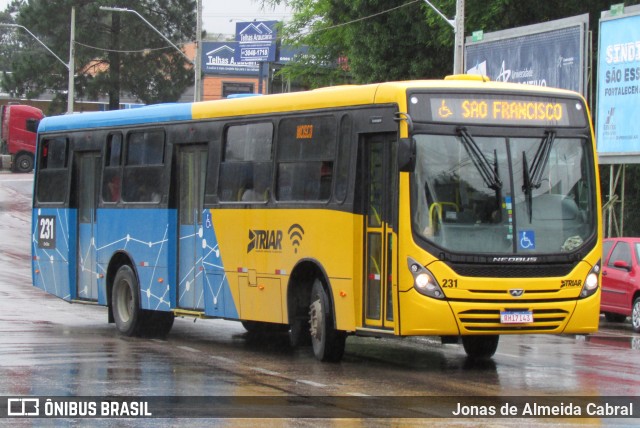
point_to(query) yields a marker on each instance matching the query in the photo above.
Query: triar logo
(265, 240)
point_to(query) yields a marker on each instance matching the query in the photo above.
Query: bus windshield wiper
(488, 172)
(526, 185)
(540, 159)
(532, 177)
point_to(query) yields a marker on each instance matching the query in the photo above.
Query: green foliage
(403, 39)
(114, 51)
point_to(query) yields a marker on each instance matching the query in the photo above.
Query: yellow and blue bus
(457, 208)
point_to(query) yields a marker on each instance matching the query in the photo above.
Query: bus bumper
(424, 316)
(586, 316)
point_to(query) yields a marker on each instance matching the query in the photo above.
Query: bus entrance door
(87, 173)
(192, 166)
(379, 243)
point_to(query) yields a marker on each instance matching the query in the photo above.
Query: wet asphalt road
(52, 348)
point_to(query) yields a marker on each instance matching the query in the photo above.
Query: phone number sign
(256, 40)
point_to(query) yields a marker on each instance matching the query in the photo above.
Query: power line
(363, 18)
(122, 51)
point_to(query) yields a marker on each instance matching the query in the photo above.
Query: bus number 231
(47, 231)
(449, 283)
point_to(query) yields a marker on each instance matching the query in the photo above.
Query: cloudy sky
(220, 16)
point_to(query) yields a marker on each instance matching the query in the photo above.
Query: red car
(621, 280)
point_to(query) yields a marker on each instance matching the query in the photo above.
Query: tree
(9, 41)
(403, 39)
(114, 52)
(367, 44)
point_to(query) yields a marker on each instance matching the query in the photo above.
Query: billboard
(256, 41)
(618, 102)
(220, 58)
(548, 54)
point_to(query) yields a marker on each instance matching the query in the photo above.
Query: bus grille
(488, 320)
(512, 271)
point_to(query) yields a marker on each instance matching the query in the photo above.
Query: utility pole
(458, 28)
(197, 83)
(72, 50)
(458, 50)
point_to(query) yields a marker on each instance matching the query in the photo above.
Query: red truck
(18, 136)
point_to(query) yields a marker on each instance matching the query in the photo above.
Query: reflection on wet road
(52, 348)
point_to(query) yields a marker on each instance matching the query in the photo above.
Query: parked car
(621, 280)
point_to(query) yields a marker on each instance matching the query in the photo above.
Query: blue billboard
(618, 103)
(220, 58)
(256, 41)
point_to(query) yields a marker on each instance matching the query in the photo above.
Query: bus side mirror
(406, 154)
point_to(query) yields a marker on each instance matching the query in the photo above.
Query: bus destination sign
(496, 110)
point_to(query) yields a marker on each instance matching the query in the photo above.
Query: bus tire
(327, 342)
(156, 323)
(480, 347)
(23, 163)
(125, 302)
(635, 315)
(264, 327)
(299, 334)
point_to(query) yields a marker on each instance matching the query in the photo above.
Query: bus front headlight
(591, 282)
(423, 281)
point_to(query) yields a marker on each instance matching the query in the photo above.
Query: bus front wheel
(480, 347)
(125, 302)
(328, 343)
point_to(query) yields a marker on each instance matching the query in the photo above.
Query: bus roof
(334, 96)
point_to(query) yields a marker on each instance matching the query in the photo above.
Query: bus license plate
(516, 317)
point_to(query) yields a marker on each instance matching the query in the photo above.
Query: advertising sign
(219, 58)
(549, 54)
(256, 41)
(618, 103)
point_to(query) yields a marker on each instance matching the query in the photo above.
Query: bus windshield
(503, 195)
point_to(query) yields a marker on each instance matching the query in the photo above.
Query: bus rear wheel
(130, 318)
(327, 342)
(156, 323)
(480, 347)
(125, 302)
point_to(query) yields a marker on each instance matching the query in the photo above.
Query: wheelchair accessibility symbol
(527, 240)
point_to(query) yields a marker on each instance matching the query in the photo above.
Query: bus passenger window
(52, 178)
(143, 177)
(111, 178)
(306, 154)
(146, 148)
(326, 178)
(112, 185)
(256, 183)
(245, 172)
(54, 153)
